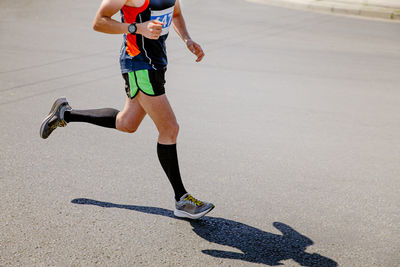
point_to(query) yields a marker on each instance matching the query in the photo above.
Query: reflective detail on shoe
(55, 118)
(192, 208)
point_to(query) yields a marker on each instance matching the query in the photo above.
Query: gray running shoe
(189, 207)
(55, 118)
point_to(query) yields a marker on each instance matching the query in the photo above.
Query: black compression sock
(105, 117)
(169, 161)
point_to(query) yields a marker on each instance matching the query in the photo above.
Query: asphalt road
(290, 127)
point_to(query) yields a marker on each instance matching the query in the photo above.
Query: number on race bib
(164, 16)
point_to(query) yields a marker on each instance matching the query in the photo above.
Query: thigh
(159, 110)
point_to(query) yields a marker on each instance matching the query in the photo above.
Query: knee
(130, 129)
(175, 130)
(171, 131)
(125, 125)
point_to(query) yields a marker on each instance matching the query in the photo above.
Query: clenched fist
(150, 29)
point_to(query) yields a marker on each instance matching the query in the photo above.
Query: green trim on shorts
(133, 88)
(140, 80)
(144, 83)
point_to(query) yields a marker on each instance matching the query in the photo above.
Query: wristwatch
(132, 28)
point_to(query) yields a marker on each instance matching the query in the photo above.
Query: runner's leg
(128, 120)
(163, 116)
(104, 117)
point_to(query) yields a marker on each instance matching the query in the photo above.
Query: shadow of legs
(256, 245)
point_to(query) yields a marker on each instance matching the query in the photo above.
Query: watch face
(132, 28)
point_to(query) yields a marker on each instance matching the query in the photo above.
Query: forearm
(109, 25)
(180, 27)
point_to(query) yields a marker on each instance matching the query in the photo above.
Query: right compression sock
(169, 161)
(105, 117)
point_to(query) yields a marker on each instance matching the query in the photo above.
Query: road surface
(290, 126)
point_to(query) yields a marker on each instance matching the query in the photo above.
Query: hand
(195, 48)
(150, 29)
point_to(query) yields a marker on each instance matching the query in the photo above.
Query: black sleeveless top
(138, 52)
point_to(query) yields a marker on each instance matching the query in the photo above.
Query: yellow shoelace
(195, 201)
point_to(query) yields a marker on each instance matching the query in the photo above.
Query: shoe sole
(184, 214)
(52, 112)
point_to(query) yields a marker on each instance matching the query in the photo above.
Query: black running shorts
(150, 82)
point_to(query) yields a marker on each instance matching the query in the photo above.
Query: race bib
(165, 16)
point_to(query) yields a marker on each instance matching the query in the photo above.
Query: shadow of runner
(257, 246)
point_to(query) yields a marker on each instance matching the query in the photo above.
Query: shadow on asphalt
(257, 246)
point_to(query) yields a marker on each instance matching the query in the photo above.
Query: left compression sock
(105, 117)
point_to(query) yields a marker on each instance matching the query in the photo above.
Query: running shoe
(55, 118)
(189, 207)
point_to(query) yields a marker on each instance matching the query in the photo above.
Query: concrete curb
(339, 7)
